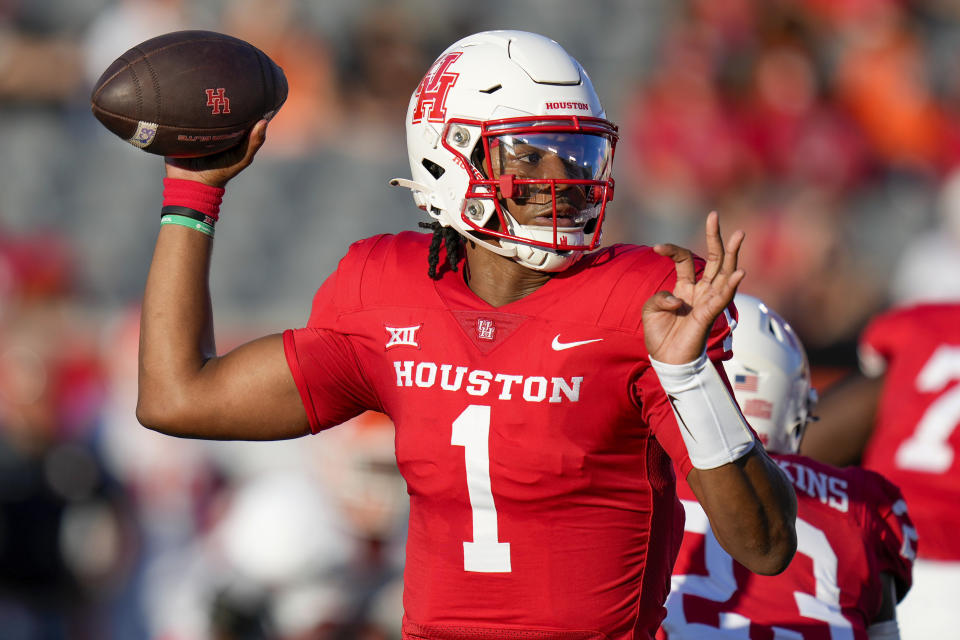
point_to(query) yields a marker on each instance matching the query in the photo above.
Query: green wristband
(184, 221)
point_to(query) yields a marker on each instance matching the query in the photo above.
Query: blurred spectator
(800, 257)
(326, 515)
(172, 484)
(927, 269)
(679, 134)
(815, 126)
(304, 543)
(26, 61)
(383, 67)
(311, 114)
(799, 136)
(881, 79)
(40, 266)
(125, 23)
(66, 539)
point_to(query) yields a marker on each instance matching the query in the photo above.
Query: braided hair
(449, 236)
(452, 241)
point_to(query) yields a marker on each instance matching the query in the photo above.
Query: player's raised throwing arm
(749, 501)
(185, 389)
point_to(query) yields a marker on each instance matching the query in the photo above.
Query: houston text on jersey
(481, 383)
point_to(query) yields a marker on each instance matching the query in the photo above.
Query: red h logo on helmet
(433, 89)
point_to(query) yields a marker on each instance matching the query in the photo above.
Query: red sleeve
(892, 530)
(658, 414)
(343, 291)
(323, 313)
(321, 357)
(328, 376)
(887, 335)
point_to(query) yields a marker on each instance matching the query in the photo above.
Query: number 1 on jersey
(486, 554)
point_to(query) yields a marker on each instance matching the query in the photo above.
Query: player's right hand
(676, 324)
(218, 169)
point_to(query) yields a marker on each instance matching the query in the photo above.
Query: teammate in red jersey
(906, 425)
(856, 543)
(527, 375)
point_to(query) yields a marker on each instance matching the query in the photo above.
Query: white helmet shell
(770, 376)
(507, 85)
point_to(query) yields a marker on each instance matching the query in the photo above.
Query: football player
(856, 543)
(900, 415)
(537, 386)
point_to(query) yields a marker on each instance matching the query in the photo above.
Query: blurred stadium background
(829, 130)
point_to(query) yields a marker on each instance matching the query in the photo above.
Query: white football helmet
(770, 376)
(493, 107)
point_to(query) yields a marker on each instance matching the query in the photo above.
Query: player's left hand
(676, 325)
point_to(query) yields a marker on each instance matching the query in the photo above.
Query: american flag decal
(744, 382)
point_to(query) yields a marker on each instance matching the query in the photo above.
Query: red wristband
(193, 195)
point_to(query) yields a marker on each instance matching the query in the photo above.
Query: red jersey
(535, 438)
(916, 435)
(852, 524)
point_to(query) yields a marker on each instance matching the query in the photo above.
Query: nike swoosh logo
(560, 346)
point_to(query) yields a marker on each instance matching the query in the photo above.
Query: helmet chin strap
(532, 257)
(546, 260)
(539, 258)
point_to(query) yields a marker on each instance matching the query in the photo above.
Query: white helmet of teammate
(770, 376)
(485, 103)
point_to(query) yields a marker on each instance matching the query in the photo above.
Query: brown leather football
(188, 93)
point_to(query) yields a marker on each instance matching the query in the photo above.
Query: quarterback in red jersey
(539, 385)
(856, 543)
(909, 392)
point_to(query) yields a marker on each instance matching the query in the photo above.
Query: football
(188, 93)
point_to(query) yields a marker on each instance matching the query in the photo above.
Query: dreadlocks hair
(452, 241)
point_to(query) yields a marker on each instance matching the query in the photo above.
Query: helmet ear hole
(435, 170)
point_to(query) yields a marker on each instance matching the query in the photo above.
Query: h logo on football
(433, 89)
(402, 336)
(218, 100)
